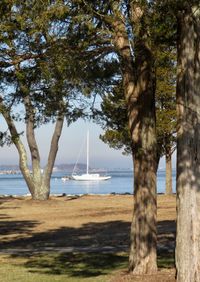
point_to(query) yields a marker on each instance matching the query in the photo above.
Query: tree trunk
(53, 150)
(168, 175)
(40, 191)
(142, 258)
(138, 82)
(41, 181)
(38, 183)
(188, 145)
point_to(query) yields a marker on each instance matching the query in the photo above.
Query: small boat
(64, 178)
(89, 176)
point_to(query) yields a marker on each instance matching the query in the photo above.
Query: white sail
(89, 176)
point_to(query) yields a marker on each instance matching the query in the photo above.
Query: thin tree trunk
(38, 183)
(40, 191)
(19, 145)
(168, 176)
(188, 145)
(138, 82)
(53, 150)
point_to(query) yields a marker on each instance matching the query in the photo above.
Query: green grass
(71, 267)
(166, 260)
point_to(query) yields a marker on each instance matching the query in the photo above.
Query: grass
(80, 224)
(71, 267)
(166, 260)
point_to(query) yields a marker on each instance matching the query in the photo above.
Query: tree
(38, 72)
(113, 116)
(126, 24)
(188, 140)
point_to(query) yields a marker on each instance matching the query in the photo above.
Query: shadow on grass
(77, 264)
(90, 236)
(166, 260)
(13, 227)
(93, 235)
(87, 262)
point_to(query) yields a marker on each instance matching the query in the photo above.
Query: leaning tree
(38, 80)
(48, 66)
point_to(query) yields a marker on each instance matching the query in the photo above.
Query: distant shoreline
(10, 172)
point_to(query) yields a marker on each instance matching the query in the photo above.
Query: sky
(73, 138)
(72, 147)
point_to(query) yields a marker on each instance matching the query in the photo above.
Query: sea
(121, 182)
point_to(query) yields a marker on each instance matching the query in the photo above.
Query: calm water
(121, 182)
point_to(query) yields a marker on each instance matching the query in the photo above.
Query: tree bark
(39, 192)
(53, 150)
(188, 149)
(19, 145)
(138, 82)
(168, 158)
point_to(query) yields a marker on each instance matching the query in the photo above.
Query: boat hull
(90, 177)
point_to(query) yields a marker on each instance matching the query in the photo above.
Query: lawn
(61, 267)
(80, 239)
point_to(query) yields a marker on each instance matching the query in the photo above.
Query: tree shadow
(90, 236)
(82, 265)
(90, 250)
(13, 227)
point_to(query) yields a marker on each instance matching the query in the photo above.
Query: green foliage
(113, 117)
(166, 100)
(162, 26)
(4, 139)
(49, 52)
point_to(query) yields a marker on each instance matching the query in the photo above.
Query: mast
(87, 152)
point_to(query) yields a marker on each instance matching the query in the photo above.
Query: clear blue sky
(73, 137)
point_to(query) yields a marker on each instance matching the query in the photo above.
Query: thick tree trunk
(168, 175)
(143, 256)
(188, 145)
(41, 192)
(138, 82)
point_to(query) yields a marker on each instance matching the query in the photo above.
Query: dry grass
(83, 225)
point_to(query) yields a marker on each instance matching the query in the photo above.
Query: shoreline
(62, 195)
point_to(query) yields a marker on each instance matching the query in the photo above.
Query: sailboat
(89, 176)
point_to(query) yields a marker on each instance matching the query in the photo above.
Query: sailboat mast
(87, 152)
